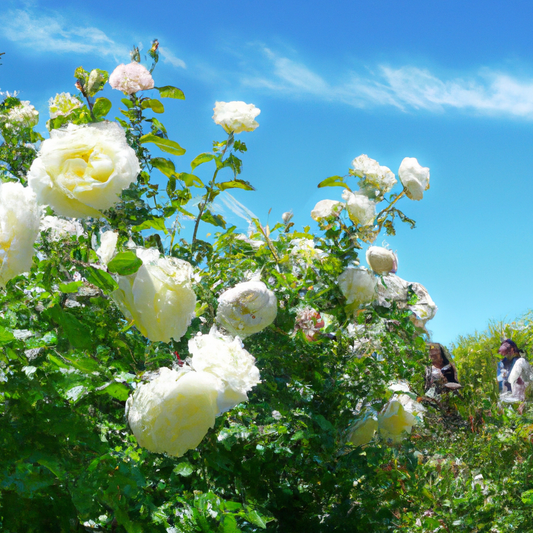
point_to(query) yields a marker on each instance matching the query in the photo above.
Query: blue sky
(450, 83)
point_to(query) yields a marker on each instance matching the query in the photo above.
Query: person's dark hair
(445, 358)
(450, 373)
(512, 344)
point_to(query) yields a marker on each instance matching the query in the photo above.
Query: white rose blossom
(108, 245)
(247, 308)
(381, 260)
(363, 430)
(159, 297)
(19, 228)
(173, 412)
(326, 209)
(81, 170)
(361, 209)
(61, 228)
(131, 78)
(394, 421)
(63, 104)
(358, 286)
(236, 117)
(225, 358)
(414, 177)
(372, 175)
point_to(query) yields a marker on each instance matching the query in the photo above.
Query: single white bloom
(414, 177)
(19, 228)
(108, 240)
(373, 175)
(61, 228)
(358, 285)
(394, 421)
(247, 308)
(364, 429)
(131, 78)
(410, 405)
(325, 209)
(226, 359)
(173, 412)
(361, 209)
(286, 217)
(236, 117)
(24, 115)
(62, 105)
(81, 170)
(159, 297)
(381, 260)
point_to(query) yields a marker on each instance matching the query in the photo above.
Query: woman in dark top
(442, 370)
(511, 354)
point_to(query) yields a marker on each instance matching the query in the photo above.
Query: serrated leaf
(101, 279)
(170, 92)
(6, 336)
(202, 158)
(235, 184)
(172, 147)
(184, 469)
(71, 287)
(255, 518)
(155, 105)
(124, 263)
(216, 220)
(157, 223)
(333, 181)
(101, 107)
(164, 165)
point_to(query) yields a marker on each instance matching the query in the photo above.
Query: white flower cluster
(62, 105)
(22, 116)
(358, 286)
(375, 179)
(236, 117)
(131, 78)
(60, 228)
(81, 170)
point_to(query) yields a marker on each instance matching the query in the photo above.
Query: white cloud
(408, 88)
(169, 57)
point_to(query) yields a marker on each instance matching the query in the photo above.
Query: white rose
(62, 105)
(425, 308)
(61, 228)
(108, 245)
(381, 260)
(159, 297)
(19, 228)
(236, 117)
(373, 175)
(358, 285)
(173, 412)
(361, 209)
(226, 359)
(81, 170)
(414, 178)
(247, 308)
(325, 209)
(363, 430)
(394, 421)
(286, 217)
(131, 78)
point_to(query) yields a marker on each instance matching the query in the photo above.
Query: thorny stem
(387, 209)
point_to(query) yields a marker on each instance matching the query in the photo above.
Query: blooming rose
(131, 78)
(60, 228)
(381, 260)
(62, 105)
(108, 241)
(363, 430)
(19, 228)
(414, 178)
(358, 285)
(236, 116)
(24, 115)
(373, 176)
(325, 209)
(81, 170)
(247, 308)
(361, 209)
(226, 359)
(394, 421)
(173, 412)
(159, 297)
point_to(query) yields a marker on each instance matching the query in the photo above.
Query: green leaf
(172, 147)
(527, 497)
(170, 92)
(70, 287)
(216, 220)
(166, 166)
(190, 179)
(124, 264)
(120, 391)
(235, 184)
(202, 158)
(155, 105)
(5, 336)
(127, 102)
(101, 279)
(333, 181)
(78, 333)
(157, 223)
(255, 518)
(184, 469)
(101, 107)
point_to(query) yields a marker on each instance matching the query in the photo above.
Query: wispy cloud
(407, 88)
(169, 57)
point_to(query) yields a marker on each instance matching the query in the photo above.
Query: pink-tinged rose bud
(131, 78)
